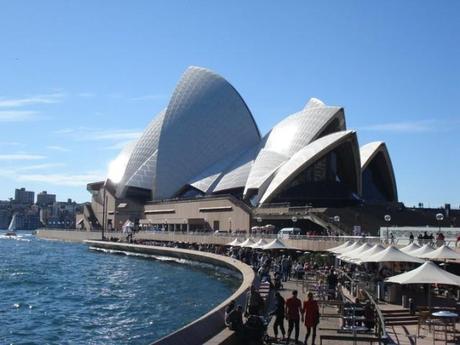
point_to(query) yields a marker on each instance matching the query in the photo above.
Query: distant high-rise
(45, 199)
(22, 196)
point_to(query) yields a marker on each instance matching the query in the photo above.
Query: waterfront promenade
(399, 333)
(304, 243)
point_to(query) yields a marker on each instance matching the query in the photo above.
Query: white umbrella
(259, 244)
(275, 244)
(246, 243)
(442, 253)
(428, 273)
(353, 254)
(409, 248)
(234, 243)
(343, 245)
(377, 248)
(422, 251)
(347, 249)
(391, 254)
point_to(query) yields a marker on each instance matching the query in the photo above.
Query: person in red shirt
(293, 311)
(310, 313)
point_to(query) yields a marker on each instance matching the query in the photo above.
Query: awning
(409, 248)
(275, 244)
(342, 246)
(392, 254)
(422, 251)
(428, 273)
(443, 253)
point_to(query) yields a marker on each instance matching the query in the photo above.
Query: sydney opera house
(202, 163)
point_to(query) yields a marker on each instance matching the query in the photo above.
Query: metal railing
(379, 330)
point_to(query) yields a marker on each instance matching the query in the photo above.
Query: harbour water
(63, 293)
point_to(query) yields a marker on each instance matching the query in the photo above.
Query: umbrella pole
(429, 298)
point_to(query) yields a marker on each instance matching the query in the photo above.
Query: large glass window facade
(377, 184)
(329, 181)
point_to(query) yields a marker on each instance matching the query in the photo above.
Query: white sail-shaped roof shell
(207, 140)
(310, 154)
(141, 167)
(206, 121)
(370, 152)
(291, 135)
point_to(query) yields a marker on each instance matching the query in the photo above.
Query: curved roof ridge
(306, 156)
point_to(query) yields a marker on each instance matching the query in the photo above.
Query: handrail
(381, 329)
(380, 325)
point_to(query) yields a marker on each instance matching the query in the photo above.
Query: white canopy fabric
(275, 244)
(347, 249)
(234, 243)
(246, 243)
(391, 254)
(442, 253)
(343, 245)
(259, 244)
(409, 248)
(422, 251)
(348, 255)
(377, 248)
(428, 273)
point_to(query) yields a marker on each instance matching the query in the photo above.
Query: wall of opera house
(217, 213)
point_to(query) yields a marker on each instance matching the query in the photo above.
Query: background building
(44, 199)
(22, 196)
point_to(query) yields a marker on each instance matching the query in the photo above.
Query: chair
(424, 319)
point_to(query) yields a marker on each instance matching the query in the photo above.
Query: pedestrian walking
(310, 316)
(293, 310)
(278, 312)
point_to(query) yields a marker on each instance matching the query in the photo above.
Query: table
(448, 318)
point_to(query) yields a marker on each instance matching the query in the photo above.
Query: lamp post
(104, 209)
(439, 218)
(337, 222)
(387, 219)
(230, 224)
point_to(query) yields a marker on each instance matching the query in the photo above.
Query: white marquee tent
(350, 255)
(353, 246)
(246, 243)
(391, 254)
(343, 245)
(259, 244)
(275, 244)
(442, 253)
(428, 273)
(377, 248)
(422, 251)
(234, 243)
(409, 248)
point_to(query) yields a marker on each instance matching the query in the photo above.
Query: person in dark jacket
(278, 312)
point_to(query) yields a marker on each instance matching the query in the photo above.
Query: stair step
(406, 323)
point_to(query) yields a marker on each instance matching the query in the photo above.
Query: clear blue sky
(80, 78)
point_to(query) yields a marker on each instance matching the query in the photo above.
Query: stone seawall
(208, 325)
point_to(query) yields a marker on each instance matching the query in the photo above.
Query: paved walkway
(329, 322)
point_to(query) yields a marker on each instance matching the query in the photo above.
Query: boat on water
(11, 232)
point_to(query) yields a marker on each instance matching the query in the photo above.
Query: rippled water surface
(61, 293)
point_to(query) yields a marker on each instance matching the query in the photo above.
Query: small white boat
(12, 227)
